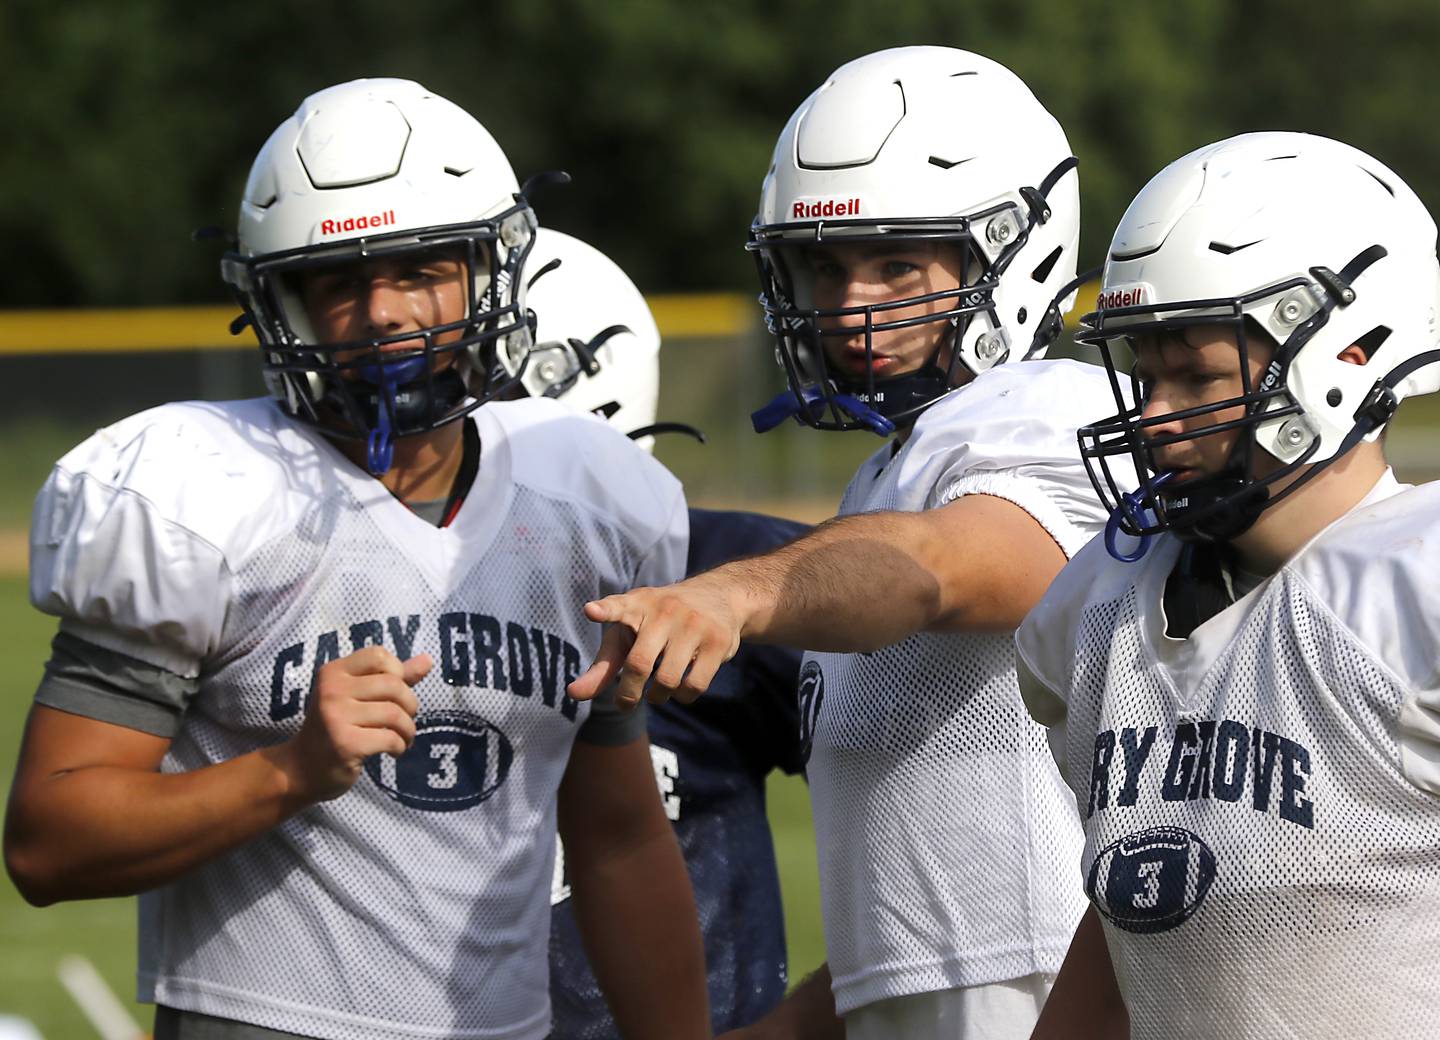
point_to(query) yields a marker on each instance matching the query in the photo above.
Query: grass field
(33, 941)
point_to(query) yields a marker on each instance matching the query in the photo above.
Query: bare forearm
(820, 591)
(108, 831)
(637, 914)
(807, 1013)
(859, 583)
(1085, 1003)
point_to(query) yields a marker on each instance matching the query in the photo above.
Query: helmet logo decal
(373, 220)
(1124, 295)
(802, 208)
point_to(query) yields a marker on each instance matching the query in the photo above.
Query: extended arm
(90, 814)
(857, 583)
(1085, 1003)
(806, 1013)
(631, 894)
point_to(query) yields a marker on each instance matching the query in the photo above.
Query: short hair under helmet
(383, 168)
(917, 143)
(1312, 242)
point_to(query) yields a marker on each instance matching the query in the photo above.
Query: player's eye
(900, 268)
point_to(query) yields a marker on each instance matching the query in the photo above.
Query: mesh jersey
(1260, 800)
(945, 836)
(711, 759)
(226, 541)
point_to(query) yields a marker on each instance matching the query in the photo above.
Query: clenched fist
(362, 705)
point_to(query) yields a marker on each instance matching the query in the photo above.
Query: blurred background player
(308, 689)
(711, 758)
(1245, 703)
(917, 230)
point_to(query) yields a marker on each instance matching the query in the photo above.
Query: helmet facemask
(359, 389)
(1222, 505)
(825, 398)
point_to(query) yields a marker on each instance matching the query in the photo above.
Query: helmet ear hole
(1043, 269)
(1372, 341)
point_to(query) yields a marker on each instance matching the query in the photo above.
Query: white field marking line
(96, 999)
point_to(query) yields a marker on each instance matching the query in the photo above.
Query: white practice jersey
(946, 838)
(1261, 801)
(227, 542)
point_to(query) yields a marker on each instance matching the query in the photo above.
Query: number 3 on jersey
(457, 761)
(1151, 881)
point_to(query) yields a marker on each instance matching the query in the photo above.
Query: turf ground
(33, 941)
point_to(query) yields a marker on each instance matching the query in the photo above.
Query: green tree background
(129, 124)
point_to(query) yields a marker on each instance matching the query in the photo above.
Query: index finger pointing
(611, 608)
(614, 646)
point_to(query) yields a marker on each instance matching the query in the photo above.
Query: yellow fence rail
(132, 330)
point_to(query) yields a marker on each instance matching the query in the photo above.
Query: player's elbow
(30, 870)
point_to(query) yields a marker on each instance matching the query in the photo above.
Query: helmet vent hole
(455, 172)
(1047, 265)
(948, 164)
(268, 202)
(1334, 397)
(1020, 318)
(1227, 250)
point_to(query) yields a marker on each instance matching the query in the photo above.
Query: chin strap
(1132, 508)
(387, 379)
(788, 405)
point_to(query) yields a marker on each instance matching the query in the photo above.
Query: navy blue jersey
(711, 759)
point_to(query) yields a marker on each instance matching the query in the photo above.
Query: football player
(308, 689)
(711, 759)
(917, 242)
(1245, 700)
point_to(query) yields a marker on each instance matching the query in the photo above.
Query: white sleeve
(1045, 647)
(1419, 733)
(1376, 572)
(116, 572)
(664, 563)
(1046, 496)
(1014, 438)
(1045, 704)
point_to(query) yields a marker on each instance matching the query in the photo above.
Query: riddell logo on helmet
(1122, 296)
(825, 208)
(365, 223)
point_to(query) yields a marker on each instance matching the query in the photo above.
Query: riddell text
(335, 227)
(828, 208)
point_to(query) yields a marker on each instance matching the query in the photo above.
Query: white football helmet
(918, 143)
(382, 167)
(1321, 247)
(597, 345)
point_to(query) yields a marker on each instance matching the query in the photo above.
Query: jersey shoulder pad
(137, 529)
(1016, 416)
(1378, 571)
(582, 459)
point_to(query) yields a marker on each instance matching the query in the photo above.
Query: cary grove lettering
(365, 223)
(1224, 759)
